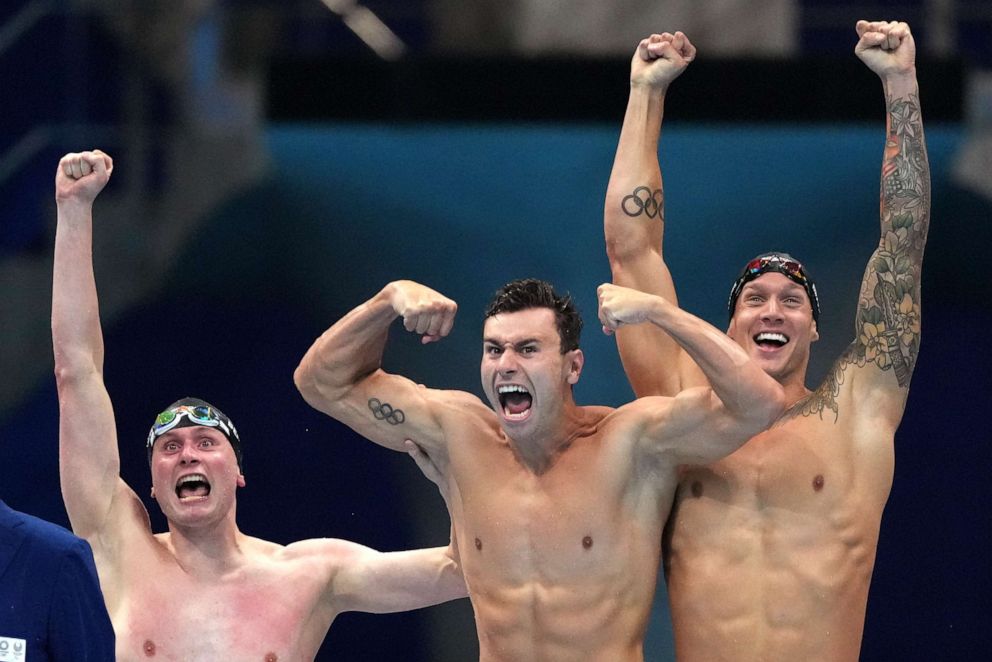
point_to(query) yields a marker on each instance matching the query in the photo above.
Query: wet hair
(778, 262)
(227, 429)
(526, 293)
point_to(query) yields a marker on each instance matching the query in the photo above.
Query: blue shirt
(51, 606)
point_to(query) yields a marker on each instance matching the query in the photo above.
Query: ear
(153, 491)
(576, 360)
(241, 480)
(815, 335)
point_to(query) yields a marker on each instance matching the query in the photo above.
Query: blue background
(464, 208)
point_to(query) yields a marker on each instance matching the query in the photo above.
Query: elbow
(314, 392)
(452, 579)
(319, 389)
(303, 380)
(73, 368)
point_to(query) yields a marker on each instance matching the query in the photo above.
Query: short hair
(525, 293)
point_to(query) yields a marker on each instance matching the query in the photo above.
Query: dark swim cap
(193, 411)
(782, 263)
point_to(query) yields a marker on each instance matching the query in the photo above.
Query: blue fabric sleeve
(79, 626)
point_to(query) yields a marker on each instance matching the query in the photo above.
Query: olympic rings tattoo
(383, 411)
(643, 200)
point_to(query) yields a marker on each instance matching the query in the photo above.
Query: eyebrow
(788, 289)
(519, 343)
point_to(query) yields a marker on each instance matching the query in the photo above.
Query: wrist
(388, 296)
(647, 88)
(897, 84)
(659, 312)
(72, 203)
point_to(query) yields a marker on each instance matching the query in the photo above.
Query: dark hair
(525, 293)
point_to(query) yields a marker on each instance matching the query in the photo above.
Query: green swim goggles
(200, 415)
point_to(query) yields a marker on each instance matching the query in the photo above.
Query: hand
(424, 311)
(621, 305)
(887, 47)
(660, 59)
(80, 177)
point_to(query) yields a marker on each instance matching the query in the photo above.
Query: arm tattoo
(644, 201)
(888, 316)
(384, 412)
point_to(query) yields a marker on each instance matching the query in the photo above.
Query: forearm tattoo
(888, 319)
(383, 411)
(887, 332)
(644, 201)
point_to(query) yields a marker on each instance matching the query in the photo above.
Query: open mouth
(192, 486)
(515, 401)
(771, 340)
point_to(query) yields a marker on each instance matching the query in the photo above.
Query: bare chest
(263, 615)
(805, 481)
(584, 520)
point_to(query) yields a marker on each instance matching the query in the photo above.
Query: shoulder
(323, 559)
(332, 551)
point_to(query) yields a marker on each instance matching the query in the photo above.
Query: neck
(794, 386)
(539, 450)
(211, 549)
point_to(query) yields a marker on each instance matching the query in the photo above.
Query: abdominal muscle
(536, 621)
(772, 569)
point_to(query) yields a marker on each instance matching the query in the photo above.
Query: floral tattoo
(887, 332)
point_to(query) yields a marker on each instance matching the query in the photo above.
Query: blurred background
(278, 161)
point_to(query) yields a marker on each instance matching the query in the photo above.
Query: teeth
(777, 337)
(191, 478)
(511, 388)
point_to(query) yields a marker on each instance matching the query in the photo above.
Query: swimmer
(769, 551)
(557, 508)
(202, 590)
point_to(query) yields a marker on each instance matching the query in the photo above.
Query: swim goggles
(198, 415)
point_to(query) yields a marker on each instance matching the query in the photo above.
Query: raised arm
(702, 423)
(341, 373)
(634, 216)
(89, 464)
(887, 326)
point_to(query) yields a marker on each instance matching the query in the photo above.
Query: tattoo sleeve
(888, 316)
